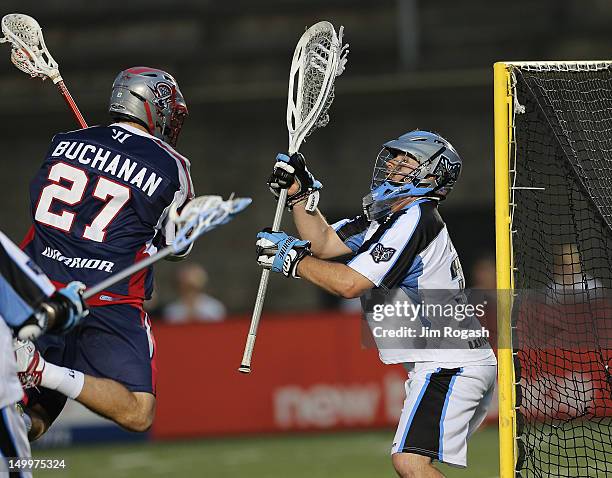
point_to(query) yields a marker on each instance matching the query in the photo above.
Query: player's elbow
(351, 290)
(353, 284)
(138, 423)
(140, 416)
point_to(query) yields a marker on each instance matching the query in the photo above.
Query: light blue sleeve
(13, 309)
(352, 231)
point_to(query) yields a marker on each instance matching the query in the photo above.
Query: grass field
(338, 455)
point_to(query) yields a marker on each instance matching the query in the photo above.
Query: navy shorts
(114, 342)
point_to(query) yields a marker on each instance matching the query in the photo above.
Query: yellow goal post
(505, 108)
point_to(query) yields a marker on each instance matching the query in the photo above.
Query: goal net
(560, 208)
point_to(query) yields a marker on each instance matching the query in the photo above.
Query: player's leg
(113, 357)
(467, 406)
(412, 453)
(411, 465)
(435, 423)
(13, 440)
(133, 411)
(118, 352)
(481, 411)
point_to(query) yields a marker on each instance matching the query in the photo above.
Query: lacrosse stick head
(193, 209)
(318, 59)
(203, 214)
(29, 52)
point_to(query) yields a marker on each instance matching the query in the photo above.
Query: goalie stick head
(416, 164)
(318, 59)
(151, 98)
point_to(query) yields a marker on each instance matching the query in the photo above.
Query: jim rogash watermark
(440, 319)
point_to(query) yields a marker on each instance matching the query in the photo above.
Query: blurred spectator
(483, 274)
(193, 305)
(569, 283)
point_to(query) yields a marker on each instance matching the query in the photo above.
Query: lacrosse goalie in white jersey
(398, 247)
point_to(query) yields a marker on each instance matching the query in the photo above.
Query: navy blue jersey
(100, 202)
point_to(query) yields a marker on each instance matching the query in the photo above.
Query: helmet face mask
(417, 164)
(177, 119)
(151, 98)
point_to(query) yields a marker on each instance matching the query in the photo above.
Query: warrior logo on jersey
(381, 253)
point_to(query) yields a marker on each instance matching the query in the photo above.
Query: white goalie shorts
(443, 407)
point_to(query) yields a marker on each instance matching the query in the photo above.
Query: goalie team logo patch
(381, 253)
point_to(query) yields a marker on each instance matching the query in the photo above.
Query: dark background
(413, 64)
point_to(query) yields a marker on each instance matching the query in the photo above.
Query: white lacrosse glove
(30, 364)
(293, 168)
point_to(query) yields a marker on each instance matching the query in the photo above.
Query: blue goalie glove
(57, 315)
(280, 252)
(74, 307)
(288, 169)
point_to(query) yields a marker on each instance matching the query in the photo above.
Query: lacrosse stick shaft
(245, 366)
(125, 273)
(71, 103)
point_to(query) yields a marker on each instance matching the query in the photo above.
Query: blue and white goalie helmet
(419, 163)
(151, 98)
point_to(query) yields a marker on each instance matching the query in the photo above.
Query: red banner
(309, 373)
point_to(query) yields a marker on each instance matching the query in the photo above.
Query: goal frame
(504, 137)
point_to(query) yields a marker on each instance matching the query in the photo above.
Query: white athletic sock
(65, 380)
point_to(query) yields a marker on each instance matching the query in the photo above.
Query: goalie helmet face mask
(417, 164)
(151, 98)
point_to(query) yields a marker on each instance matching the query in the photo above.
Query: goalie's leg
(443, 407)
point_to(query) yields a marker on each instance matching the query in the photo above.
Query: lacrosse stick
(318, 59)
(30, 54)
(199, 216)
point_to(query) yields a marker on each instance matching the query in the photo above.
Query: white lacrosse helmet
(149, 97)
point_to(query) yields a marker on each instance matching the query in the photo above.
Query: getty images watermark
(547, 318)
(440, 319)
(413, 312)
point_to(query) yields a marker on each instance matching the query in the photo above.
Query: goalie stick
(318, 59)
(30, 54)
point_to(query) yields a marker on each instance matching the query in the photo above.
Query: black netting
(562, 250)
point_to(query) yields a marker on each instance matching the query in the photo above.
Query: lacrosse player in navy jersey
(399, 244)
(100, 203)
(29, 306)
